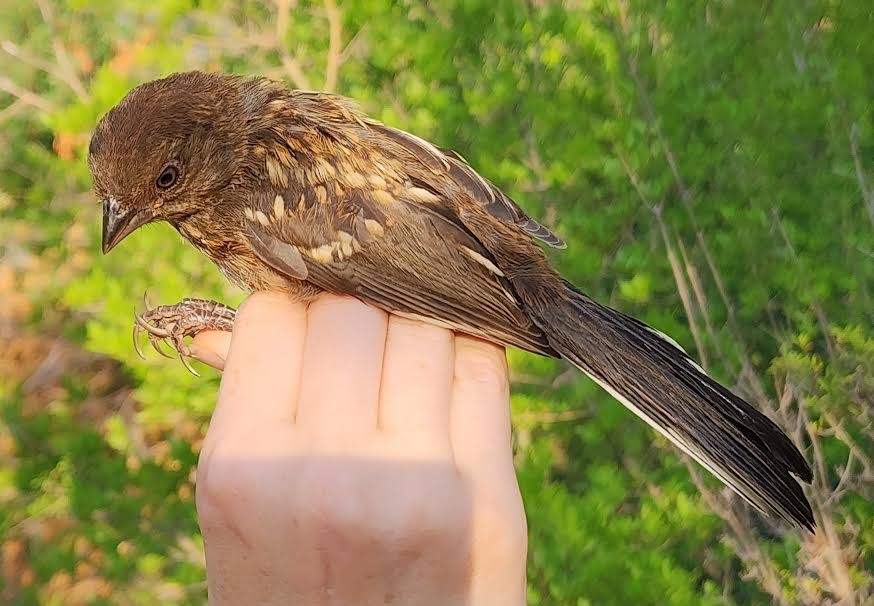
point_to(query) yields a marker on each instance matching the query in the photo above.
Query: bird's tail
(651, 375)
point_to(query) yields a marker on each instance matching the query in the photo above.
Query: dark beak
(119, 222)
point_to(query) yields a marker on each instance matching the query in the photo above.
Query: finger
(416, 390)
(342, 365)
(262, 370)
(211, 347)
(480, 411)
(482, 445)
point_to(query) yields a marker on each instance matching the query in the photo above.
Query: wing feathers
(448, 163)
(350, 245)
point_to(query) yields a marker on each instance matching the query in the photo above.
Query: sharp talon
(180, 346)
(137, 347)
(188, 366)
(171, 324)
(152, 330)
(156, 345)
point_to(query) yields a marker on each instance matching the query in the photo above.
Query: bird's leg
(172, 323)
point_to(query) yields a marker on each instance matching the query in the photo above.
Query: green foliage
(710, 166)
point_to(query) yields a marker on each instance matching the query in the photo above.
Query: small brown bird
(301, 192)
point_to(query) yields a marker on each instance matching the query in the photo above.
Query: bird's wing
(454, 166)
(388, 247)
(446, 166)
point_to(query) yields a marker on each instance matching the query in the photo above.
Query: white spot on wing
(377, 181)
(347, 243)
(262, 218)
(323, 254)
(278, 206)
(321, 194)
(382, 196)
(355, 179)
(374, 227)
(482, 261)
(422, 195)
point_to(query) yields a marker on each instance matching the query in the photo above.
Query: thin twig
(351, 47)
(546, 417)
(843, 483)
(13, 50)
(676, 268)
(65, 70)
(25, 96)
(292, 66)
(861, 177)
(335, 38)
(744, 540)
(818, 310)
(846, 438)
(701, 300)
(12, 110)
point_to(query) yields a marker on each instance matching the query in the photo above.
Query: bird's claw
(172, 323)
(151, 324)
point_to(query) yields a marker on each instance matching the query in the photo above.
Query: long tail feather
(652, 376)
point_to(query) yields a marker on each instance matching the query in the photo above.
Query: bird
(301, 192)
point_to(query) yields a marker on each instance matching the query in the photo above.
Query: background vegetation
(711, 165)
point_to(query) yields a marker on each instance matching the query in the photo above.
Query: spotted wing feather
(347, 244)
(447, 162)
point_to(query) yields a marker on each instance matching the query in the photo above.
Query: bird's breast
(238, 262)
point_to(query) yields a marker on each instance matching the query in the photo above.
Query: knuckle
(211, 489)
(221, 481)
(328, 498)
(337, 518)
(255, 301)
(483, 368)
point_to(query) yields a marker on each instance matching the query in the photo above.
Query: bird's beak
(118, 222)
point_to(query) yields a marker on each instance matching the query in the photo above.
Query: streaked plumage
(301, 192)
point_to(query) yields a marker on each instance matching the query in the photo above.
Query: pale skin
(357, 458)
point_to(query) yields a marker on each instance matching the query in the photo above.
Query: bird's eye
(168, 177)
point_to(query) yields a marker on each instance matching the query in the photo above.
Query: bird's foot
(172, 323)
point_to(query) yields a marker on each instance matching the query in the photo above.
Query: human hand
(357, 458)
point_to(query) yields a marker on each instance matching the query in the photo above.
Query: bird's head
(169, 148)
